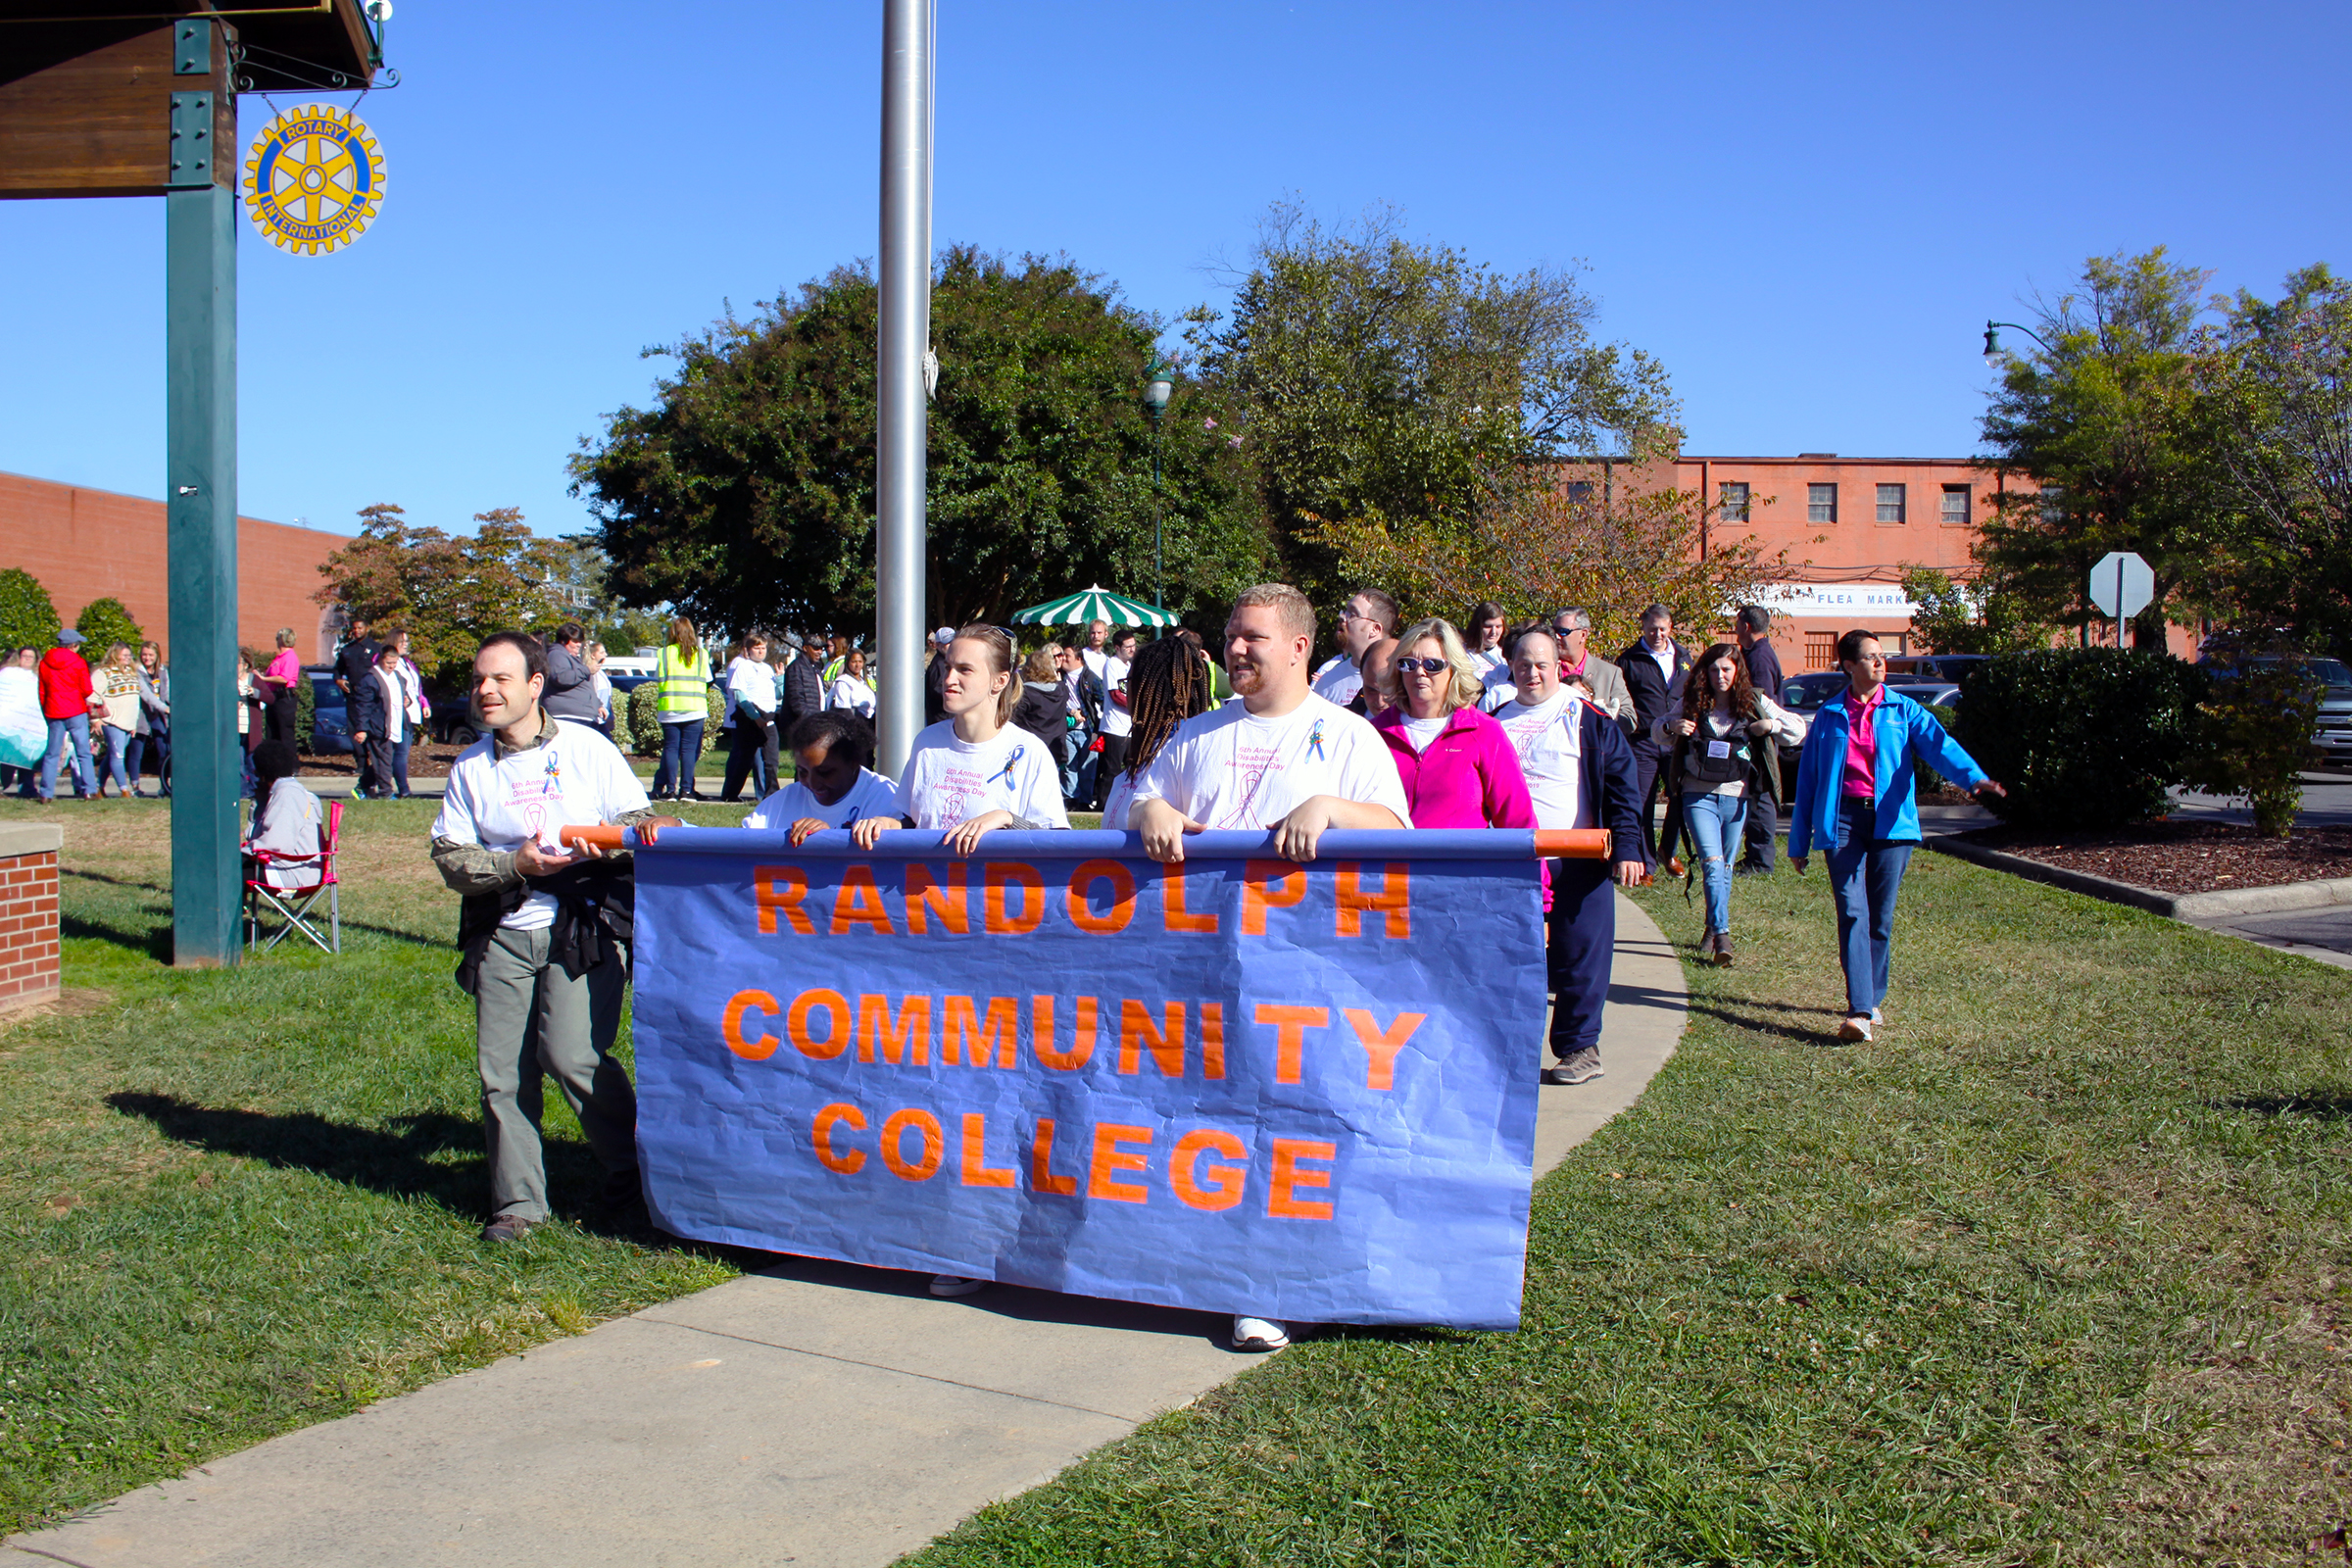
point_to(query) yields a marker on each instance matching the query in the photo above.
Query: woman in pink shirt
(284, 671)
(1459, 770)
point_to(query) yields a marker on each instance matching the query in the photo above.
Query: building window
(1821, 649)
(1580, 492)
(1732, 505)
(1821, 503)
(2053, 510)
(1890, 503)
(1955, 506)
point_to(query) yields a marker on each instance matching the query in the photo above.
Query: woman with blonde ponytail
(975, 770)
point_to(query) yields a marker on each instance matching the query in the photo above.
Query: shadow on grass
(2326, 1105)
(1746, 1017)
(398, 1159)
(156, 940)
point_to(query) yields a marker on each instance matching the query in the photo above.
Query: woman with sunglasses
(1459, 769)
(1721, 738)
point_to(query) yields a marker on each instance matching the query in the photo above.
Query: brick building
(84, 544)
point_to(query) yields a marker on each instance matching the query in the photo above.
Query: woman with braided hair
(1168, 684)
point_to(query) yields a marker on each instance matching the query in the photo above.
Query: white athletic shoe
(1876, 1016)
(955, 1285)
(1259, 1334)
(1854, 1028)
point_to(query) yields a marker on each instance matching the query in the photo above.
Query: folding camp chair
(296, 905)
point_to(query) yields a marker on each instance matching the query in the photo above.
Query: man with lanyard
(1579, 774)
(1367, 618)
(1282, 757)
(1118, 720)
(355, 664)
(1753, 627)
(1655, 670)
(543, 928)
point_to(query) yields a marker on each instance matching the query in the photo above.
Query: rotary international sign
(314, 180)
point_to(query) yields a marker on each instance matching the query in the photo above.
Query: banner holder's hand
(807, 825)
(648, 831)
(964, 837)
(866, 831)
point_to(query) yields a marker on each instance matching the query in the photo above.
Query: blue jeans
(62, 730)
(681, 749)
(1715, 822)
(398, 783)
(1865, 875)
(118, 757)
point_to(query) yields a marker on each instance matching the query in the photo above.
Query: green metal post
(200, 328)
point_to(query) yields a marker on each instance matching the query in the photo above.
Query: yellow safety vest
(683, 680)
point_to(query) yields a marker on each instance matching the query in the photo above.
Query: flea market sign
(314, 180)
(1836, 599)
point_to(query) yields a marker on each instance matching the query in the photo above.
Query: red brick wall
(28, 928)
(94, 543)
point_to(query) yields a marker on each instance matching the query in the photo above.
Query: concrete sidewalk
(812, 1413)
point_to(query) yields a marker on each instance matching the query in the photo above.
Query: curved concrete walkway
(814, 1413)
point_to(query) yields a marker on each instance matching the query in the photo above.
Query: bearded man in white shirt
(543, 928)
(1369, 616)
(1282, 757)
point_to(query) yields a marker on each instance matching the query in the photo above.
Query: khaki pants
(530, 1017)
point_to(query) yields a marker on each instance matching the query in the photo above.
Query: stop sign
(2122, 584)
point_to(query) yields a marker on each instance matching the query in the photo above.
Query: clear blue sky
(1806, 210)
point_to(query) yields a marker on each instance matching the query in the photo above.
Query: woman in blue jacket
(1854, 796)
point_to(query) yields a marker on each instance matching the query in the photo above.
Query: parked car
(2331, 733)
(1927, 693)
(330, 715)
(1803, 695)
(1944, 667)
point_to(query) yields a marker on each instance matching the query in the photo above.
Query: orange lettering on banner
(1112, 920)
(1389, 905)
(860, 902)
(1138, 1034)
(895, 1130)
(1103, 1170)
(1289, 1034)
(731, 1025)
(837, 1024)
(973, 1160)
(1004, 875)
(1383, 1045)
(1174, 917)
(1082, 1037)
(849, 1162)
(964, 1026)
(1223, 1189)
(927, 895)
(1283, 1200)
(779, 888)
(1269, 885)
(1041, 1160)
(1213, 1039)
(909, 1039)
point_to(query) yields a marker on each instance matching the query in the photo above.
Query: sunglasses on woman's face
(1421, 666)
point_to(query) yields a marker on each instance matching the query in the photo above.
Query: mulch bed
(429, 761)
(2184, 857)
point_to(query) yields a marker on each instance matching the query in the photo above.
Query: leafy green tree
(2112, 417)
(1382, 377)
(2280, 372)
(1950, 620)
(106, 622)
(27, 619)
(449, 592)
(745, 494)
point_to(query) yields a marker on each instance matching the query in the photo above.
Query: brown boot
(1723, 950)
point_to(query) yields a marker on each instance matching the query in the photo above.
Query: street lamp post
(1155, 397)
(1992, 341)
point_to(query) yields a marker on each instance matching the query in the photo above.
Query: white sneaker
(1876, 1016)
(1259, 1334)
(1854, 1028)
(955, 1285)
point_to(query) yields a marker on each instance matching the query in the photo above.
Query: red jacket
(65, 684)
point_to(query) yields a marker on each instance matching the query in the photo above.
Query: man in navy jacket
(1656, 668)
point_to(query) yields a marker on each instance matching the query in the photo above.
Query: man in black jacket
(1655, 671)
(1753, 627)
(804, 687)
(355, 678)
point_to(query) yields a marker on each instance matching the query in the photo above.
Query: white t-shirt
(871, 796)
(1116, 803)
(752, 684)
(1117, 720)
(1229, 768)
(1338, 681)
(1421, 731)
(950, 781)
(852, 694)
(578, 778)
(1550, 741)
(1487, 660)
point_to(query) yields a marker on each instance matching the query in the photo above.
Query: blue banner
(1237, 1085)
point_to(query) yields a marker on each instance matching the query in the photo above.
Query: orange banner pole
(602, 836)
(1573, 843)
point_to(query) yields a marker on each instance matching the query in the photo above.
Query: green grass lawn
(241, 1201)
(2052, 1272)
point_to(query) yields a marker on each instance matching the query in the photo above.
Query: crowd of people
(1419, 726)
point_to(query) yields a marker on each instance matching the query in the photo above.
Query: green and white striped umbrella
(1093, 603)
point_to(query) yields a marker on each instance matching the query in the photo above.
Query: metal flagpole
(899, 536)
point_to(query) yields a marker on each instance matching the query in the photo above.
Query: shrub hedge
(27, 620)
(2082, 737)
(643, 734)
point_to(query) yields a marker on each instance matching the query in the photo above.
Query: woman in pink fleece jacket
(1459, 769)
